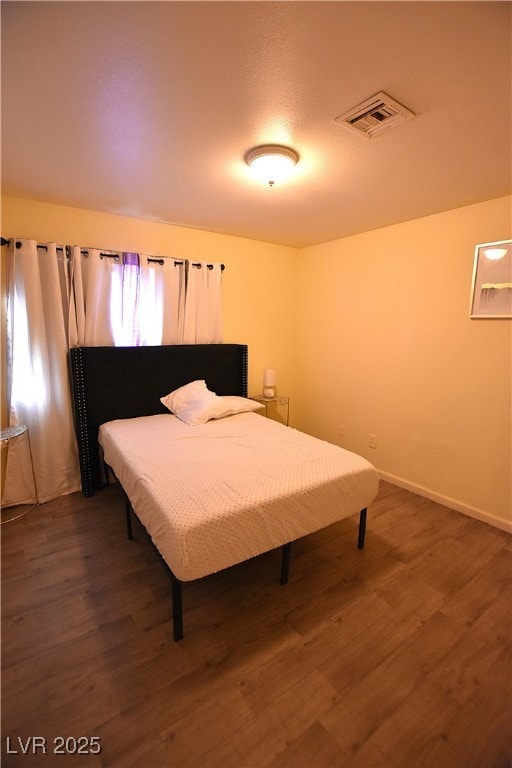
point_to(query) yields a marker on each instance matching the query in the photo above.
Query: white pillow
(194, 403)
(234, 404)
(184, 395)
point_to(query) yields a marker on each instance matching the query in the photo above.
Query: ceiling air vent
(376, 114)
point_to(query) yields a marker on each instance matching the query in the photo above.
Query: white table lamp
(269, 383)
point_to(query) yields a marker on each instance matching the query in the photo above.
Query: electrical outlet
(341, 430)
(373, 441)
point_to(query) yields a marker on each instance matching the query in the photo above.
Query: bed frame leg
(128, 510)
(177, 609)
(285, 563)
(362, 528)
(177, 606)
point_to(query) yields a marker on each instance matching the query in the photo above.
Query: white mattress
(214, 495)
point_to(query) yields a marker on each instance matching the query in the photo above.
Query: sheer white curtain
(125, 299)
(40, 393)
(161, 300)
(203, 304)
(64, 297)
(95, 311)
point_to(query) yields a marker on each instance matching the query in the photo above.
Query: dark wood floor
(398, 655)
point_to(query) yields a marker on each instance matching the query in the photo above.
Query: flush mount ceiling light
(495, 253)
(271, 163)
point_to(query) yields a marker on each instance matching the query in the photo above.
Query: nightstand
(274, 403)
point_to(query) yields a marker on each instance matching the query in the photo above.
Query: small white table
(7, 434)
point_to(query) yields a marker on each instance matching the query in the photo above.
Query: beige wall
(371, 332)
(258, 282)
(386, 347)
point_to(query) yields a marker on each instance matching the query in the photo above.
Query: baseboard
(478, 514)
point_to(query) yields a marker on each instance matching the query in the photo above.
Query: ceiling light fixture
(271, 163)
(495, 253)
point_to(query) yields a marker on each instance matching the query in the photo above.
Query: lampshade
(269, 377)
(269, 382)
(271, 163)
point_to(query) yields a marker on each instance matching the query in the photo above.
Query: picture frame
(491, 288)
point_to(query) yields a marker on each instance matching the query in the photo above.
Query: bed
(217, 492)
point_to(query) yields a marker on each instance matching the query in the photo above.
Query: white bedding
(217, 494)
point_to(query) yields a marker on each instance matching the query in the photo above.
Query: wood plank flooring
(395, 656)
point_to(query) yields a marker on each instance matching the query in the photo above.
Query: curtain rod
(6, 241)
(85, 251)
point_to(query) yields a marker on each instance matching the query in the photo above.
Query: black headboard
(123, 382)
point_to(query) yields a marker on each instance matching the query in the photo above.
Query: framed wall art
(491, 290)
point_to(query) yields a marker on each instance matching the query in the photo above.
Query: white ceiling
(147, 108)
